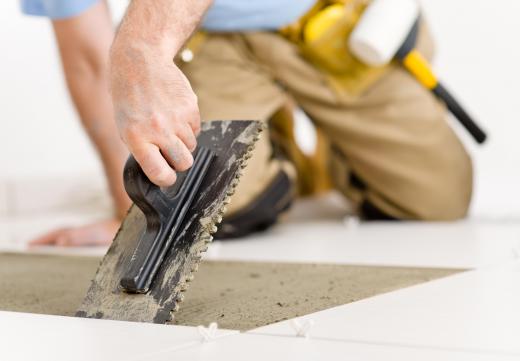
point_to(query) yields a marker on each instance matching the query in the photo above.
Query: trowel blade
(233, 143)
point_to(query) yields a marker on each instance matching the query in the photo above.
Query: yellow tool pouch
(322, 36)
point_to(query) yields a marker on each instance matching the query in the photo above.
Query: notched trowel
(158, 247)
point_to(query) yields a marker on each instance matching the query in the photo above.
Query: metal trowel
(158, 247)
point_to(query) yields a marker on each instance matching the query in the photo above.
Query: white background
(477, 57)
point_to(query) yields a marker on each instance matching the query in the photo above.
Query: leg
(84, 42)
(392, 148)
(230, 85)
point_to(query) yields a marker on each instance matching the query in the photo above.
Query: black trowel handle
(146, 195)
(164, 216)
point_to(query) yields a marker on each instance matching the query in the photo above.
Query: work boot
(369, 212)
(262, 212)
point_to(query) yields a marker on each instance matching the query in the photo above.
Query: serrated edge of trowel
(206, 235)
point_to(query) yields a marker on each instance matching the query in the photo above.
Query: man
(392, 153)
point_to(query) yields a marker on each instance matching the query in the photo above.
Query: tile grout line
(191, 344)
(395, 344)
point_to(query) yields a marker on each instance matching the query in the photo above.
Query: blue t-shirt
(223, 15)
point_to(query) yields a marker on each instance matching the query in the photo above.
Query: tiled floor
(264, 347)
(466, 244)
(468, 316)
(332, 237)
(18, 230)
(3, 199)
(30, 208)
(39, 337)
(475, 311)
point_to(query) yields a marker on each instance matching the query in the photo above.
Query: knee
(446, 195)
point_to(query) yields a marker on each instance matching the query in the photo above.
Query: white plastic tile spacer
(208, 334)
(351, 222)
(302, 328)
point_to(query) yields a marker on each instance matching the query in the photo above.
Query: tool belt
(322, 36)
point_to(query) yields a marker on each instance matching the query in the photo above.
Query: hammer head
(382, 30)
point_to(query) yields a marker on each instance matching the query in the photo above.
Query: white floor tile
(468, 244)
(97, 251)
(83, 193)
(464, 244)
(3, 199)
(475, 311)
(315, 231)
(4, 234)
(37, 337)
(262, 348)
(15, 233)
(310, 235)
(21, 230)
(29, 208)
(88, 251)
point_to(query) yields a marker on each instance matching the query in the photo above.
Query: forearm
(84, 44)
(150, 35)
(94, 106)
(161, 25)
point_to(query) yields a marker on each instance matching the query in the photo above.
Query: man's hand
(94, 234)
(155, 107)
(156, 112)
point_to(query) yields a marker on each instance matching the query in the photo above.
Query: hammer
(388, 30)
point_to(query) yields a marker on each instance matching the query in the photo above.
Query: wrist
(136, 53)
(140, 45)
(134, 64)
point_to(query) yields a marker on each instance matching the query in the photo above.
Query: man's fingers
(60, 237)
(195, 124)
(154, 165)
(46, 239)
(191, 113)
(63, 240)
(194, 120)
(97, 233)
(177, 154)
(188, 137)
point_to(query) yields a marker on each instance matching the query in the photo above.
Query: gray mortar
(237, 295)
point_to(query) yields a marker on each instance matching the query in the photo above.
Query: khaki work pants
(390, 145)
